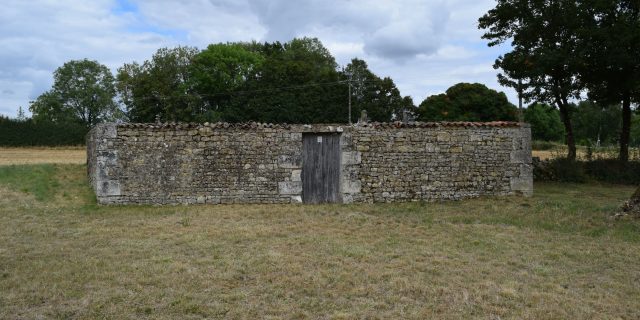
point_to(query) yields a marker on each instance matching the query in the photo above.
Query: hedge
(16, 133)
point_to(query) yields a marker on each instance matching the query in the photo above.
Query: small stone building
(172, 163)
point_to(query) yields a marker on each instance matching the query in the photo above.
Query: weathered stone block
(520, 156)
(108, 188)
(296, 175)
(290, 187)
(289, 161)
(351, 186)
(351, 157)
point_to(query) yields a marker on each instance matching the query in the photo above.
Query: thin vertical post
(520, 115)
(350, 99)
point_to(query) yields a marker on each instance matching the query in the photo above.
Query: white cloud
(425, 46)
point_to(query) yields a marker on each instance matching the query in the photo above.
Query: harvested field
(68, 155)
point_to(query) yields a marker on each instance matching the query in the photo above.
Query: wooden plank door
(321, 168)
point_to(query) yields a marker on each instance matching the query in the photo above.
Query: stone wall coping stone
(321, 127)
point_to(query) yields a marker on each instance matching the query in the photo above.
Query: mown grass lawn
(556, 255)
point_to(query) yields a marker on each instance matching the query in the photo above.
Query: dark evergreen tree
(467, 102)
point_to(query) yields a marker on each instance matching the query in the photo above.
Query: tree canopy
(467, 102)
(83, 91)
(295, 82)
(563, 48)
(379, 96)
(542, 62)
(160, 86)
(545, 122)
(609, 52)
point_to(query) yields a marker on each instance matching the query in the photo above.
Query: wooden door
(321, 168)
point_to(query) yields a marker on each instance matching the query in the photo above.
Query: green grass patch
(38, 180)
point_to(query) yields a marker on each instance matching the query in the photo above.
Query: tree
(635, 131)
(610, 45)
(380, 97)
(298, 82)
(467, 102)
(160, 86)
(83, 91)
(21, 116)
(545, 122)
(594, 123)
(221, 70)
(543, 63)
(631, 206)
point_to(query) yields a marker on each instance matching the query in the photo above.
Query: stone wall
(259, 163)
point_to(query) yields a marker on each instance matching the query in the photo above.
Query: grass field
(556, 255)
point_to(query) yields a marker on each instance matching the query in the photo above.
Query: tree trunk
(631, 206)
(626, 129)
(636, 195)
(568, 128)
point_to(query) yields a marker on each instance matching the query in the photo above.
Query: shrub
(603, 170)
(544, 145)
(614, 171)
(560, 169)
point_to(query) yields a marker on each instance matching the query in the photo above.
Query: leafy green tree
(545, 122)
(543, 62)
(220, 71)
(467, 102)
(610, 49)
(21, 116)
(593, 123)
(380, 97)
(83, 91)
(293, 82)
(298, 82)
(49, 107)
(160, 86)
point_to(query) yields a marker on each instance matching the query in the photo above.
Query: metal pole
(349, 98)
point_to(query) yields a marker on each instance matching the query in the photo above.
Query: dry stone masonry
(263, 163)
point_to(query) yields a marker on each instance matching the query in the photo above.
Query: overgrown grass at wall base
(15, 133)
(607, 170)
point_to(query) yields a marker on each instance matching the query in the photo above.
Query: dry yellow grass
(67, 155)
(542, 154)
(557, 255)
(581, 153)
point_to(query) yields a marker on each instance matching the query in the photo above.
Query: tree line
(294, 82)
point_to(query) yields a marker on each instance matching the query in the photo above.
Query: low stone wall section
(262, 163)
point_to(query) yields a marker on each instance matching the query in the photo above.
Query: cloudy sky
(424, 45)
